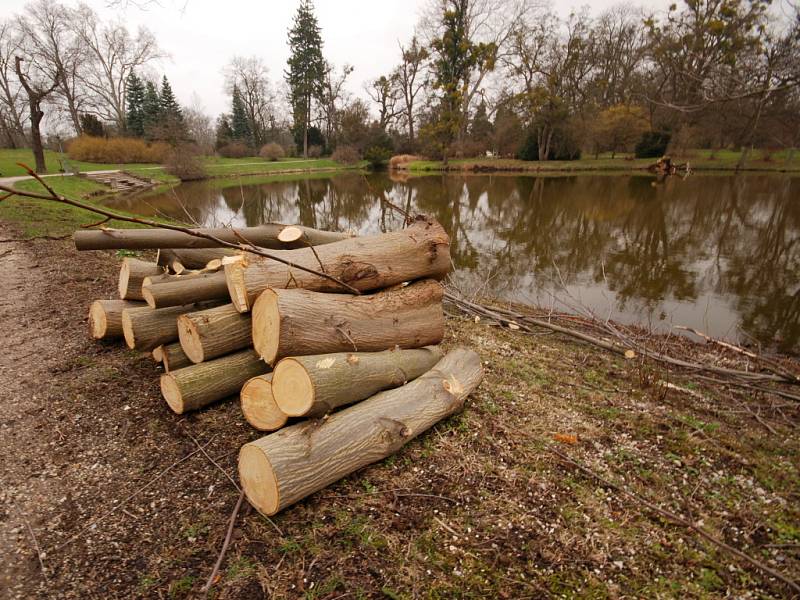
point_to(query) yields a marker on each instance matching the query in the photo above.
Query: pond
(718, 253)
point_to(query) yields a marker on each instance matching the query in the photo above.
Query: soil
(110, 486)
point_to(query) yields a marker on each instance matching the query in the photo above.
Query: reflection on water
(718, 253)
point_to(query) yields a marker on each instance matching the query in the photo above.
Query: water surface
(719, 253)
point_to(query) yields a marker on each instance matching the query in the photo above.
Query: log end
(147, 295)
(258, 479)
(158, 354)
(98, 322)
(127, 330)
(172, 393)
(266, 326)
(292, 388)
(291, 233)
(124, 277)
(190, 340)
(258, 404)
(234, 278)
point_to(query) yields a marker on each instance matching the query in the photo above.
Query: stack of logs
(292, 343)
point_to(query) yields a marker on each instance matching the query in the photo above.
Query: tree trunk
(214, 332)
(258, 404)
(312, 386)
(186, 289)
(299, 322)
(35, 97)
(171, 356)
(132, 275)
(269, 235)
(288, 465)
(366, 263)
(145, 328)
(178, 260)
(197, 386)
(105, 318)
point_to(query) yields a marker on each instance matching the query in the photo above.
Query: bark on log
(185, 289)
(270, 235)
(366, 263)
(214, 332)
(299, 322)
(146, 328)
(171, 356)
(312, 386)
(105, 318)
(258, 404)
(196, 386)
(179, 260)
(132, 274)
(288, 465)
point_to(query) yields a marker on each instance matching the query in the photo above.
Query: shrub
(116, 150)
(377, 155)
(234, 150)
(185, 162)
(401, 159)
(562, 147)
(346, 155)
(272, 151)
(653, 144)
(314, 151)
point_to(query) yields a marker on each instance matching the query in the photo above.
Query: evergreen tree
(134, 98)
(480, 128)
(151, 108)
(240, 124)
(170, 109)
(224, 131)
(306, 72)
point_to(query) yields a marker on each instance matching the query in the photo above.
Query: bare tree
(250, 76)
(37, 89)
(410, 79)
(11, 101)
(384, 92)
(113, 54)
(334, 97)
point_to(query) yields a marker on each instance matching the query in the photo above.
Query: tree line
(504, 77)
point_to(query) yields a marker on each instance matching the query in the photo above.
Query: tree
(480, 128)
(240, 124)
(91, 125)
(306, 71)
(333, 98)
(619, 128)
(151, 109)
(134, 117)
(37, 91)
(224, 132)
(11, 100)
(170, 109)
(384, 92)
(250, 76)
(410, 80)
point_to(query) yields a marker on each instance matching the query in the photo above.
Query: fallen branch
(55, 197)
(38, 551)
(205, 589)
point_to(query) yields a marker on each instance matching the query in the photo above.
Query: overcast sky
(202, 35)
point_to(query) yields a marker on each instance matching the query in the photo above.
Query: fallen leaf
(630, 354)
(565, 438)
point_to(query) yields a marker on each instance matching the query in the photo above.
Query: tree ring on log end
(147, 294)
(290, 233)
(292, 388)
(258, 479)
(124, 277)
(266, 326)
(98, 322)
(158, 353)
(190, 339)
(237, 290)
(127, 330)
(258, 404)
(172, 393)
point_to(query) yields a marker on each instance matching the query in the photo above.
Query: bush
(234, 150)
(185, 163)
(314, 151)
(652, 145)
(272, 151)
(562, 147)
(116, 150)
(346, 155)
(401, 159)
(377, 155)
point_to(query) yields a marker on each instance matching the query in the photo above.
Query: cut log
(180, 260)
(185, 289)
(132, 274)
(258, 404)
(366, 263)
(270, 235)
(146, 328)
(299, 322)
(214, 332)
(312, 386)
(288, 465)
(171, 356)
(197, 386)
(105, 318)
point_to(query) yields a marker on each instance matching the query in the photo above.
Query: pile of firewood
(293, 343)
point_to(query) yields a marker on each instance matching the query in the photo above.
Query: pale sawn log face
(258, 404)
(131, 275)
(366, 263)
(105, 318)
(292, 463)
(196, 386)
(194, 258)
(300, 322)
(214, 332)
(313, 386)
(146, 328)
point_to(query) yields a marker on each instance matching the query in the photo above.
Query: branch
(55, 197)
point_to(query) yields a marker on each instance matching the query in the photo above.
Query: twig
(38, 551)
(212, 461)
(53, 196)
(670, 516)
(205, 589)
(91, 225)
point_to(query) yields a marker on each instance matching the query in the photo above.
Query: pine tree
(481, 127)
(151, 108)
(170, 109)
(240, 124)
(224, 131)
(134, 98)
(306, 71)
